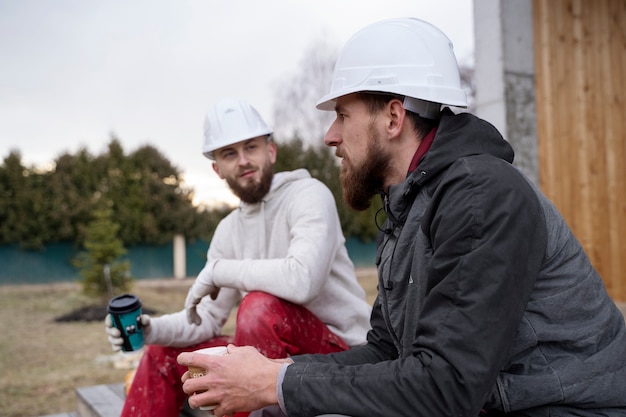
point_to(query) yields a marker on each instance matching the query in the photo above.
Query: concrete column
(505, 75)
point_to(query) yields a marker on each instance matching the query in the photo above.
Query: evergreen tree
(104, 274)
(143, 189)
(23, 204)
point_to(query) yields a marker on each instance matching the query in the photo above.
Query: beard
(252, 192)
(361, 183)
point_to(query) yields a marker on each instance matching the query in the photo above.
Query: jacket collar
(457, 136)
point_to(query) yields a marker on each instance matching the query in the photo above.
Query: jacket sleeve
(487, 232)
(301, 274)
(379, 346)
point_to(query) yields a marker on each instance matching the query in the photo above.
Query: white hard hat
(404, 56)
(231, 121)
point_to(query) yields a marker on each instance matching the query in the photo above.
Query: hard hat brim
(454, 97)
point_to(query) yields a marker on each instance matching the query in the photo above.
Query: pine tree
(104, 274)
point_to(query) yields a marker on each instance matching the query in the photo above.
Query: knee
(153, 351)
(255, 308)
(156, 354)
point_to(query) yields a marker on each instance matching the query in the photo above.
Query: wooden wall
(580, 68)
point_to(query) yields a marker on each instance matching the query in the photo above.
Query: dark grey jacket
(486, 301)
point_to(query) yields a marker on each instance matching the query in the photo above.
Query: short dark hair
(376, 101)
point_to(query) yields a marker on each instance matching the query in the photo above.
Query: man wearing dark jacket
(487, 304)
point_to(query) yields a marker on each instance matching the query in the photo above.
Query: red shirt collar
(422, 149)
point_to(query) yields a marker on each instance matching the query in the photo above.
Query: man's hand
(242, 380)
(202, 287)
(115, 335)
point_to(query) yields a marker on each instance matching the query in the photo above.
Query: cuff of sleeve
(151, 334)
(279, 386)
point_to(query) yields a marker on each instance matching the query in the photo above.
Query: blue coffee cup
(125, 311)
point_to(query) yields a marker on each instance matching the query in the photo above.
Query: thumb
(230, 348)
(145, 320)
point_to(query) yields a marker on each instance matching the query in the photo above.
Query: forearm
(175, 330)
(357, 355)
(385, 388)
(292, 279)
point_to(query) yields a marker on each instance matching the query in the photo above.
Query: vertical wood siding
(580, 67)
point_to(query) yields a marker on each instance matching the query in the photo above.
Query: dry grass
(43, 361)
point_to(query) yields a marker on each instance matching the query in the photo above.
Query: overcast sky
(73, 72)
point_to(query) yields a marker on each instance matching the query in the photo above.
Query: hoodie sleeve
(312, 235)
(174, 329)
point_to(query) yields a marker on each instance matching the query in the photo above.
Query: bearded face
(251, 190)
(361, 180)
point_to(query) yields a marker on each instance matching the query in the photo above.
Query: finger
(195, 318)
(115, 346)
(145, 320)
(113, 332)
(220, 412)
(107, 321)
(116, 343)
(189, 316)
(203, 398)
(185, 358)
(197, 388)
(184, 377)
(193, 359)
(230, 348)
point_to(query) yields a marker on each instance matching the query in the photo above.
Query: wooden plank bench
(108, 400)
(62, 415)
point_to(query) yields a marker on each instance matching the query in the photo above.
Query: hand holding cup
(125, 316)
(196, 372)
(243, 380)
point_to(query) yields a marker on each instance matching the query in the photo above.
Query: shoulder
(487, 183)
(300, 182)
(487, 171)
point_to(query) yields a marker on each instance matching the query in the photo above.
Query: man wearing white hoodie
(280, 255)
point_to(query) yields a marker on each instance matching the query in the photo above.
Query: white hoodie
(289, 245)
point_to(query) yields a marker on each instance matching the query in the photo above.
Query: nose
(332, 137)
(243, 160)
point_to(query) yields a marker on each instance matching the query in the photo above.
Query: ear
(396, 114)
(271, 148)
(216, 168)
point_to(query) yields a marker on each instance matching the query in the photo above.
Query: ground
(45, 356)
(43, 359)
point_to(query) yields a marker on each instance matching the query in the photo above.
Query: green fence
(54, 263)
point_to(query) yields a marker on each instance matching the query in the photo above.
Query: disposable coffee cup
(195, 372)
(125, 311)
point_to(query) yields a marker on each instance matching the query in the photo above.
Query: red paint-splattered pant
(277, 328)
